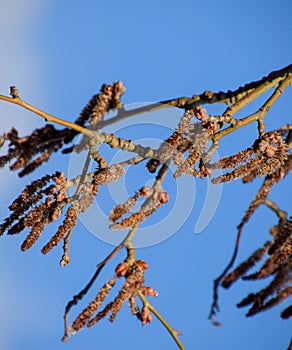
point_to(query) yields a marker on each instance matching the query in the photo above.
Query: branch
(207, 97)
(257, 116)
(48, 117)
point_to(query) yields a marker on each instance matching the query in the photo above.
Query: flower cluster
(25, 213)
(263, 192)
(208, 122)
(265, 157)
(29, 152)
(278, 265)
(132, 286)
(94, 112)
(29, 210)
(156, 198)
(188, 139)
(268, 268)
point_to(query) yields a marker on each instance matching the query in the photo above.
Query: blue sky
(59, 54)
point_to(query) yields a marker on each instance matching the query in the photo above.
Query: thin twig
(217, 281)
(207, 97)
(258, 91)
(48, 117)
(132, 161)
(66, 258)
(257, 115)
(171, 331)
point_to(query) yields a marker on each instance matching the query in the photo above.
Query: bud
(149, 291)
(146, 191)
(59, 178)
(141, 264)
(122, 269)
(119, 88)
(270, 150)
(146, 316)
(61, 195)
(163, 197)
(49, 201)
(201, 114)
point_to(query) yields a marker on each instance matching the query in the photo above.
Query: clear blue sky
(59, 53)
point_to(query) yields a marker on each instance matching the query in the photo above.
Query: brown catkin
(278, 299)
(108, 175)
(284, 232)
(245, 266)
(231, 161)
(85, 315)
(130, 221)
(33, 236)
(68, 225)
(134, 282)
(287, 313)
(107, 309)
(123, 208)
(165, 151)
